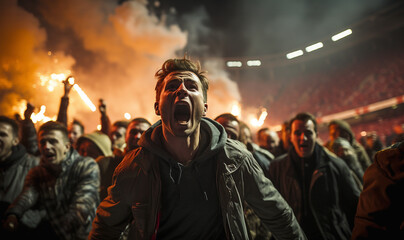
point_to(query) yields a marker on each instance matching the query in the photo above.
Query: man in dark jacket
(64, 184)
(15, 163)
(188, 180)
(318, 186)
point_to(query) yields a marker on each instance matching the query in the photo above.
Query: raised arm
(105, 122)
(64, 101)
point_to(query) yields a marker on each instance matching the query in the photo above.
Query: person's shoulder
(391, 161)
(29, 160)
(139, 158)
(235, 149)
(279, 164)
(280, 159)
(103, 160)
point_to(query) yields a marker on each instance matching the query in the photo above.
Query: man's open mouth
(49, 155)
(182, 113)
(304, 146)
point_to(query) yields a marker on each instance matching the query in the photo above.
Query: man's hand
(28, 112)
(68, 85)
(11, 223)
(102, 107)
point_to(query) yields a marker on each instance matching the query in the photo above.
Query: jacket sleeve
(114, 212)
(27, 198)
(268, 204)
(105, 123)
(85, 200)
(62, 114)
(349, 194)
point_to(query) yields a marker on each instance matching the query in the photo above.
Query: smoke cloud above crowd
(112, 50)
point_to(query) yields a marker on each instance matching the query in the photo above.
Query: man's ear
(205, 109)
(156, 108)
(67, 146)
(15, 141)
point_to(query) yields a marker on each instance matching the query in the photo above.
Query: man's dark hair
(12, 123)
(262, 130)
(184, 64)
(78, 123)
(140, 120)
(304, 117)
(121, 123)
(227, 116)
(54, 126)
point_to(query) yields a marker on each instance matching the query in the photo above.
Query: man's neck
(182, 149)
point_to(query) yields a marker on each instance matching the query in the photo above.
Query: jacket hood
(344, 126)
(100, 139)
(391, 161)
(213, 138)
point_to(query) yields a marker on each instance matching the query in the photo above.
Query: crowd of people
(335, 87)
(191, 177)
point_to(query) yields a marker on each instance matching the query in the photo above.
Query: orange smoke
(113, 51)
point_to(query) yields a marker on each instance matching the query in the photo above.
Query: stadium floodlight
(294, 54)
(253, 63)
(314, 47)
(234, 64)
(340, 35)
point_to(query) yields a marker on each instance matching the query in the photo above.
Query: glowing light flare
(260, 121)
(340, 35)
(60, 77)
(40, 116)
(52, 81)
(314, 47)
(127, 116)
(363, 133)
(234, 64)
(84, 97)
(236, 110)
(253, 63)
(294, 54)
(71, 80)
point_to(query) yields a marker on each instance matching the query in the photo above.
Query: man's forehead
(182, 75)
(303, 124)
(50, 133)
(138, 125)
(5, 126)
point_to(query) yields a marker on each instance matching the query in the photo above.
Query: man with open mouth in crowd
(65, 185)
(187, 180)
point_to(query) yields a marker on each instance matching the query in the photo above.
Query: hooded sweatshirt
(363, 158)
(189, 192)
